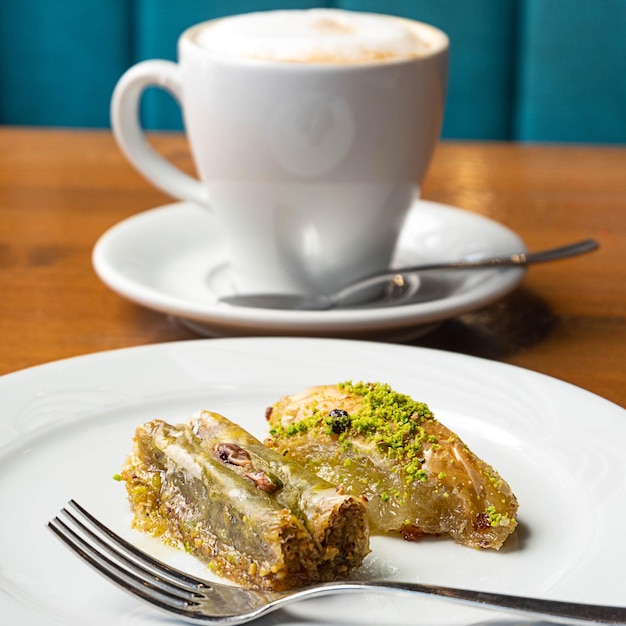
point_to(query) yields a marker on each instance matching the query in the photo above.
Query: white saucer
(172, 259)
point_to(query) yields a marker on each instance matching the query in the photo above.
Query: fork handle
(549, 610)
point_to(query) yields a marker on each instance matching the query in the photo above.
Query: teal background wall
(528, 70)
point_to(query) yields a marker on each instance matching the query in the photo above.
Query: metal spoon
(400, 285)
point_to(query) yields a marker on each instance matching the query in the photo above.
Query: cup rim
(440, 45)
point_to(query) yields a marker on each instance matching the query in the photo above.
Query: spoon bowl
(395, 287)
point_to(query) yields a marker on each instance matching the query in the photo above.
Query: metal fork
(203, 602)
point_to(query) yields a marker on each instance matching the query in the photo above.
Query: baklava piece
(418, 477)
(256, 517)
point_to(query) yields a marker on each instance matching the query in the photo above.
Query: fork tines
(122, 563)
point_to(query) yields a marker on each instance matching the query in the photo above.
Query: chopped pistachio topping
(390, 420)
(497, 519)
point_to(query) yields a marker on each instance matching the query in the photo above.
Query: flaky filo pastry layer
(418, 476)
(257, 518)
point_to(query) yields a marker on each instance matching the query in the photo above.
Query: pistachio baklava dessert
(256, 517)
(418, 476)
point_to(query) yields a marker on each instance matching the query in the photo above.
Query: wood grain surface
(60, 190)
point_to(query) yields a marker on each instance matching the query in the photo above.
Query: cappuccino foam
(313, 36)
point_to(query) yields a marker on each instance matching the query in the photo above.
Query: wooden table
(60, 190)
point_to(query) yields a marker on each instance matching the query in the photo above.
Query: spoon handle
(510, 260)
(403, 274)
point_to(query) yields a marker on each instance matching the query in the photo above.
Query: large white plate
(67, 427)
(172, 259)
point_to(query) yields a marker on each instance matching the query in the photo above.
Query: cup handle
(132, 139)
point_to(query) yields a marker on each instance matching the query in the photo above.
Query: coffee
(330, 36)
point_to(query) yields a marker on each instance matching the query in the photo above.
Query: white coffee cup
(310, 149)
